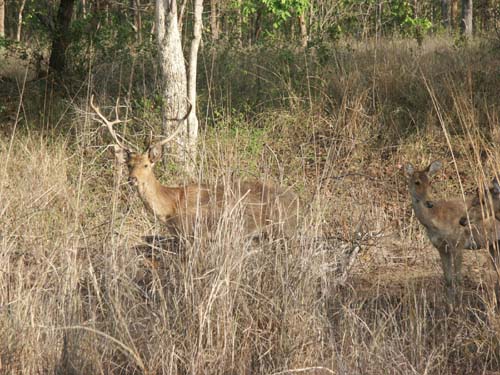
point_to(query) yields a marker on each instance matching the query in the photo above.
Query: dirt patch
(393, 267)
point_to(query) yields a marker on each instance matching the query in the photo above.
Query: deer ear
(433, 168)
(122, 155)
(476, 201)
(155, 152)
(409, 170)
(496, 187)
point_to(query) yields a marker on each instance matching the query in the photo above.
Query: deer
(440, 219)
(265, 208)
(484, 204)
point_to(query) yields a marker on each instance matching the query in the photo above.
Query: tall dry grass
(357, 291)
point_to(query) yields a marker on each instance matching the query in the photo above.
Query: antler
(177, 130)
(109, 124)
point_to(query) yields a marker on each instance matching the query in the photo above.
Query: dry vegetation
(357, 291)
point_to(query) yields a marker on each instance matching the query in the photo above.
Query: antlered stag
(260, 208)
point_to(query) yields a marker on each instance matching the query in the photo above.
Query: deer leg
(446, 264)
(457, 264)
(457, 255)
(494, 249)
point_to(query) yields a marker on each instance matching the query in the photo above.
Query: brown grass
(359, 291)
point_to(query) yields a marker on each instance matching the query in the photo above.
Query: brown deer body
(261, 208)
(484, 205)
(264, 208)
(441, 221)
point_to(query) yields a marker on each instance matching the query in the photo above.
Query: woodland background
(329, 97)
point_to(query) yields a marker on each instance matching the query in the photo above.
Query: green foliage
(280, 10)
(247, 140)
(284, 9)
(106, 38)
(418, 27)
(367, 17)
(5, 43)
(403, 18)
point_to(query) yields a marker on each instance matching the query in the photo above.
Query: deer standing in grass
(441, 220)
(263, 208)
(483, 205)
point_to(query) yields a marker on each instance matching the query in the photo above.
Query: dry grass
(358, 291)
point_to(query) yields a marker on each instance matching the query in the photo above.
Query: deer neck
(148, 187)
(150, 192)
(422, 205)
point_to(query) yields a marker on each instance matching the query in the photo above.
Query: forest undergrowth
(357, 290)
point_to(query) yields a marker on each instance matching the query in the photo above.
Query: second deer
(263, 208)
(441, 221)
(484, 204)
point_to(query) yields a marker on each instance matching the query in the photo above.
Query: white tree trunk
(20, 20)
(179, 89)
(193, 63)
(467, 18)
(2, 18)
(173, 73)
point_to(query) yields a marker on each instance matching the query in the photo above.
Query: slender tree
(193, 65)
(303, 30)
(453, 14)
(214, 20)
(2, 18)
(177, 97)
(445, 12)
(20, 20)
(466, 22)
(60, 40)
(138, 19)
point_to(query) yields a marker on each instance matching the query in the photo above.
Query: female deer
(441, 221)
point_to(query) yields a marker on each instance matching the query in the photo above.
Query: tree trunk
(303, 31)
(2, 18)
(239, 23)
(60, 39)
(20, 20)
(453, 14)
(193, 63)
(214, 23)
(180, 17)
(257, 25)
(173, 74)
(445, 13)
(136, 13)
(466, 23)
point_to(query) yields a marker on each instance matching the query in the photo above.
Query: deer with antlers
(264, 208)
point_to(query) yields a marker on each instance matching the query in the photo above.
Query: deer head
(419, 181)
(140, 164)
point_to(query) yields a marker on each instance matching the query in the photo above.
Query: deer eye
(145, 165)
(417, 183)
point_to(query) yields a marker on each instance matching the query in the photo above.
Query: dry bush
(357, 291)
